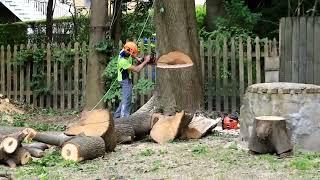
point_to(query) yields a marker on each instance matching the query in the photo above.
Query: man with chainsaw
(125, 68)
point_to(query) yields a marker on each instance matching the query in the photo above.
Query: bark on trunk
(34, 152)
(83, 148)
(116, 27)
(96, 123)
(52, 138)
(214, 8)
(37, 145)
(124, 133)
(141, 121)
(95, 85)
(49, 21)
(269, 135)
(176, 29)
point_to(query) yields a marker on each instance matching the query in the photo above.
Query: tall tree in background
(95, 84)
(49, 23)
(178, 88)
(214, 8)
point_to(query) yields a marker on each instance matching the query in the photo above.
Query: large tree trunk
(214, 8)
(49, 21)
(176, 31)
(95, 84)
(116, 26)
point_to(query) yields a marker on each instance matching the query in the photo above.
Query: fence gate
(299, 50)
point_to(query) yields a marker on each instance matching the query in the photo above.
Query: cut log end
(167, 128)
(93, 123)
(174, 58)
(71, 152)
(9, 144)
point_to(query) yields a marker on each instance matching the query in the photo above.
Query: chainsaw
(153, 59)
(230, 122)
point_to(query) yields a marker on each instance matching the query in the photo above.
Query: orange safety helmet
(131, 48)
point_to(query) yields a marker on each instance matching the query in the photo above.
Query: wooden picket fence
(228, 68)
(238, 63)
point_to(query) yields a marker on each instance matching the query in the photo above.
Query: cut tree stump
(199, 127)
(96, 123)
(83, 148)
(167, 128)
(270, 135)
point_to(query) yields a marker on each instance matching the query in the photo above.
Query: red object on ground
(229, 123)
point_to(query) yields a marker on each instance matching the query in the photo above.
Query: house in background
(31, 10)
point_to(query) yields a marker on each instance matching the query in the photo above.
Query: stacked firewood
(12, 152)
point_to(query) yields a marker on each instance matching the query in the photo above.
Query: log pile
(12, 152)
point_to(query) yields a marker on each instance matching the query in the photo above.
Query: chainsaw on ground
(230, 121)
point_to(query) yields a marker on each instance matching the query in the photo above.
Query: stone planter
(298, 103)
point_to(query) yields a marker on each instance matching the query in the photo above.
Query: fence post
(3, 81)
(15, 74)
(76, 75)
(21, 86)
(218, 86)
(233, 75)
(249, 61)
(48, 104)
(8, 63)
(258, 62)
(241, 70)
(225, 76)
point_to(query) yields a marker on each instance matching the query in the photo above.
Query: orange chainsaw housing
(229, 123)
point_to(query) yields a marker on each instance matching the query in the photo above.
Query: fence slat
(233, 76)
(287, 51)
(9, 78)
(48, 99)
(15, 74)
(302, 49)
(55, 82)
(3, 81)
(34, 73)
(76, 76)
(21, 74)
(69, 83)
(310, 60)
(202, 61)
(225, 76)
(218, 87)
(295, 52)
(258, 61)
(241, 69)
(84, 73)
(210, 76)
(316, 68)
(283, 48)
(28, 78)
(41, 97)
(62, 85)
(249, 60)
